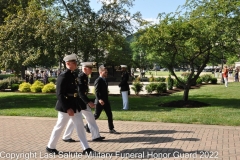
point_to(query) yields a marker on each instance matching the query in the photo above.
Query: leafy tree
(91, 30)
(22, 38)
(193, 39)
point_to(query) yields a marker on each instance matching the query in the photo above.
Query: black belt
(72, 94)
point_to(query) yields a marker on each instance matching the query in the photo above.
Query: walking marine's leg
(78, 123)
(57, 130)
(68, 132)
(88, 115)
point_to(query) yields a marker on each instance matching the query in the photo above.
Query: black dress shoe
(88, 151)
(87, 129)
(113, 131)
(99, 139)
(54, 151)
(69, 140)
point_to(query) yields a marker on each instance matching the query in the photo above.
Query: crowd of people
(41, 75)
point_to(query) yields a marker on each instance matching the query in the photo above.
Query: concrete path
(27, 137)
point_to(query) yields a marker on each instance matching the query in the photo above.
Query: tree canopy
(206, 31)
(32, 31)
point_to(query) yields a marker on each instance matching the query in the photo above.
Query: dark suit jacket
(124, 86)
(67, 84)
(83, 90)
(101, 90)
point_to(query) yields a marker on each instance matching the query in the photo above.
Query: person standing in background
(124, 87)
(225, 75)
(236, 75)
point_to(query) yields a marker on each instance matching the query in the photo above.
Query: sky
(149, 8)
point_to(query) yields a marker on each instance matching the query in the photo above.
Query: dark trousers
(107, 108)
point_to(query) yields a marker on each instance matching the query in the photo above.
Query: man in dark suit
(68, 107)
(101, 101)
(85, 105)
(124, 87)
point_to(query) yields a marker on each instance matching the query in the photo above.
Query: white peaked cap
(123, 66)
(88, 64)
(71, 57)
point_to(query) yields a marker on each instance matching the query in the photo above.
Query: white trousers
(88, 115)
(63, 119)
(226, 81)
(125, 100)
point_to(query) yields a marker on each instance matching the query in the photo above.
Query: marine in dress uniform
(124, 87)
(85, 104)
(68, 107)
(101, 101)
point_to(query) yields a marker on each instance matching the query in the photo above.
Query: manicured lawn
(224, 106)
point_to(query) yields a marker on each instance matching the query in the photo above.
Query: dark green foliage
(151, 87)
(177, 84)
(137, 87)
(169, 81)
(3, 76)
(160, 79)
(4, 84)
(14, 87)
(199, 80)
(53, 80)
(206, 78)
(214, 81)
(161, 88)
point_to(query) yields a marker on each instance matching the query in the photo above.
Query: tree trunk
(23, 72)
(186, 92)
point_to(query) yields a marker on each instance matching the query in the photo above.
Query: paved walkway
(26, 138)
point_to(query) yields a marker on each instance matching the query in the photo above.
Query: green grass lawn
(224, 106)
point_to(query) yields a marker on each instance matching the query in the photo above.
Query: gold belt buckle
(74, 94)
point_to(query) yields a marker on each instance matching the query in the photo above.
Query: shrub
(151, 87)
(12, 80)
(160, 79)
(199, 80)
(206, 78)
(144, 79)
(137, 79)
(14, 87)
(214, 81)
(137, 87)
(178, 84)
(49, 88)
(25, 87)
(169, 81)
(53, 80)
(37, 86)
(151, 79)
(4, 84)
(161, 88)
